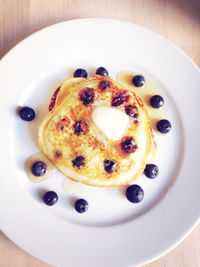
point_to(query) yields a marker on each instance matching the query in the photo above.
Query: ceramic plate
(114, 231)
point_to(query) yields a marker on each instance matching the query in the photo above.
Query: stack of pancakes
(73, 141)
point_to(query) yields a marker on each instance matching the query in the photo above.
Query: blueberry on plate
(102, 71)
(163, 126)
(27, 113)
(138, 80)
(50, 198)
(156, 101)
(81, 205)
(38, 168)
(134, 193)
(80, 73)
(151, 171)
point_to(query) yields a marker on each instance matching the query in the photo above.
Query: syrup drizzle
(71, 187)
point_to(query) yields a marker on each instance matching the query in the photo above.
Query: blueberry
(138, 80)
(134, 193)
(50, 198)
(39, 168)
(163, 126)
(151, 171)
(102, 71)
(80, 127)
(103, 85)
(80, 73)
(87, 95)
(132, 111)
(27, 113)
(120, 99)
(78, 161)
(157, 101)
(109, 166)
(81, 205)
(128, 145)
(58, 154)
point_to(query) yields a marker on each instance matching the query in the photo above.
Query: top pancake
(69, 133)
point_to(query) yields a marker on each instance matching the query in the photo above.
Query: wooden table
(178, 20)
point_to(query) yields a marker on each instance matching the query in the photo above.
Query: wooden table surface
(178, 20)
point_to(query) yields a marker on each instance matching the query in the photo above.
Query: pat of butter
(111, 121)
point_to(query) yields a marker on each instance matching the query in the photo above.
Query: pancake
(62, 91)
(97, 132)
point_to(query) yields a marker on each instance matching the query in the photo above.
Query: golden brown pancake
(77, 146)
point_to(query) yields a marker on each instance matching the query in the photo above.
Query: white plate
(114, 232)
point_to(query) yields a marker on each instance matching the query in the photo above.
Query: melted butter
(71, 186)
(145, 93)
(38, 157)
(108, 119)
